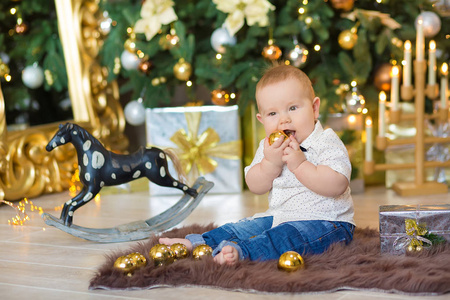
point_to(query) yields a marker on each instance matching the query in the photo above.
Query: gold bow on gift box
(196, 151)
(413, 238)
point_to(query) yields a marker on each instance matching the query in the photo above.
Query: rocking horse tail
(176, 163)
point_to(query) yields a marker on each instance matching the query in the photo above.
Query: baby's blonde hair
(280, 72)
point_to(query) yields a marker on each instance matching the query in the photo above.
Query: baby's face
(283, 106)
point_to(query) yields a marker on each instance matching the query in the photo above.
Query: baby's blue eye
(293, 108)
(272, 114)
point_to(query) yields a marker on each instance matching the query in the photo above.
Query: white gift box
(197, 126)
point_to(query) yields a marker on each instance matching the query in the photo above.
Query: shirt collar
(309, 141)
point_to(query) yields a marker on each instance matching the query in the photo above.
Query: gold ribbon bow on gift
(413, 238)
(196, 151)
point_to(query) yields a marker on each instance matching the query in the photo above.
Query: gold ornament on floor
(271, 51)
(161, 255)
(280, 134)
(125, 264)
(347, 39)
(201, 251)
(182, 70)
(179, 250)
(291, 261)
(139, 260)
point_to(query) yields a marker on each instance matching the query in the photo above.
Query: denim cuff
(195, 239)
(228, 243)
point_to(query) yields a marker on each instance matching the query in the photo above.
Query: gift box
(207, 142)
(402, 226)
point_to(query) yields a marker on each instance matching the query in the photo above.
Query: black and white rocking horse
(99, 167)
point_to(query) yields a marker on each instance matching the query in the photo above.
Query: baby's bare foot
(228, 255)
(169, 242)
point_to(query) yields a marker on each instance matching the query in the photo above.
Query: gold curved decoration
(26, 169)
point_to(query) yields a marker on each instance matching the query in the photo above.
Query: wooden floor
(42, 262)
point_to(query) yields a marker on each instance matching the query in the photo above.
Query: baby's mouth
(289, 132)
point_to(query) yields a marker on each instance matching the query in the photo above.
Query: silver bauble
(221, 37)
(298, 56)
(33, 76)
(130, 61)
(431, 23)
(134, 113)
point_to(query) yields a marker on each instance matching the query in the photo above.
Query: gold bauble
(125, 264)
(277, 135)
(347, 39)
(182, 70)
(161, 255)
(139, 259)
(202, 250)
(218, 97)
(290, 261)
(21, 28)
(272, 52)
(382, 77)
(169, 41)
(419, 248)
(130, 45)
(411, 248)
(345, 5)
(145, 66)
(179, 250)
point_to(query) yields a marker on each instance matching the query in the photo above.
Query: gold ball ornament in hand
(161, 255)
(274, 136)
(290, 261)
(182, 70)
(202, 250)
(179, 250)
(125, 264)
(347, 39)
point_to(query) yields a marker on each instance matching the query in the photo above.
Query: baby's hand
(274, 153)
(293, 156)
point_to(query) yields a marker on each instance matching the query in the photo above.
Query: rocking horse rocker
(99, 167)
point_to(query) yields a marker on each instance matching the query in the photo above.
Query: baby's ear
(259, 117)
(316, 107)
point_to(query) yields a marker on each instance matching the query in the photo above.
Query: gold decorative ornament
(347, 39)
(182, 70)
(344, 5)
(125, 264)
(218, 97)
(139, 260)
(161, 255)
(145, 66)
(179, 250)
(291, 261)
(201, 251)
(279, 134)
(26, 169)
(382, 78)
(271, 51)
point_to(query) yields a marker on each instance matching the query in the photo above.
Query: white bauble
(33, 76)
(221, 37)
(130, 61)
(135, 113)
(431, 23)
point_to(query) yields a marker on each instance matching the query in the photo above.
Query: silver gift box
(163, 123)
(436, 219)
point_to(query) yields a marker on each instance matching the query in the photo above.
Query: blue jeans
(255, 239)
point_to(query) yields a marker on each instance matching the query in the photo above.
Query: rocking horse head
(61, 137)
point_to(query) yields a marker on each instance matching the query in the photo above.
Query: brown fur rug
(358, 266)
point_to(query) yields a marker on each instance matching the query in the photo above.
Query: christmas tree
(225, 45)
(154, 46)
(34, 79)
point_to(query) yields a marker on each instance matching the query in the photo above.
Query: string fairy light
(21, 216)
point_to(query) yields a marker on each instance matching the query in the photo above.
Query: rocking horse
(99, 167)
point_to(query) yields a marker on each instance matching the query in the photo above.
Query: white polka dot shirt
(290, 200)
